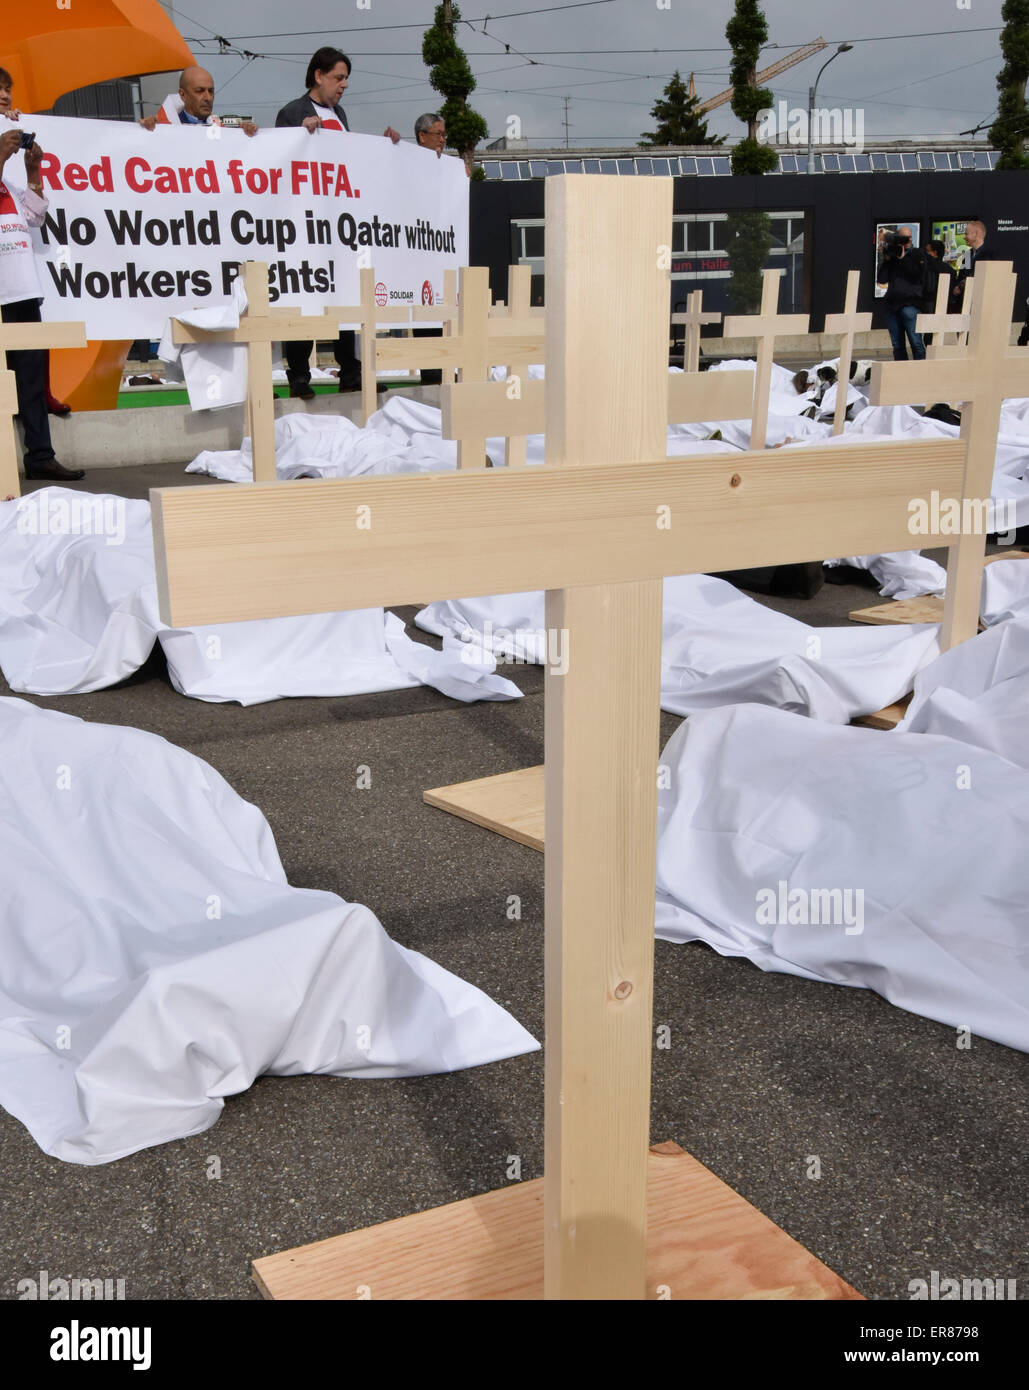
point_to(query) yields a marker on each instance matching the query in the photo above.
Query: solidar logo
(380, 295)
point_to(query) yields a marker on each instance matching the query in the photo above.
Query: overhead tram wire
(376, 28)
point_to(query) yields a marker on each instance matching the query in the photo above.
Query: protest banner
(143, 225)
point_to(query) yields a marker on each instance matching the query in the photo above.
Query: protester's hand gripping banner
(143, 225)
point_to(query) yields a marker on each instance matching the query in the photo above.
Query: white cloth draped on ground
(718, 647)
(900, 573)
(403, 437)
(1011, 461)
(978, 692)
(1005, 589)
(78, 612)
(155, 959)
(893, 862)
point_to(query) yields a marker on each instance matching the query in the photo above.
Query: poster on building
(952, 234)
(144, 225)
(883, 231)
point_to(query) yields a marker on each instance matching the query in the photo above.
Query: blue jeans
(900, 320)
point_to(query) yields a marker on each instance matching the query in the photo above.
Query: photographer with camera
(21, 296)
(902, 272)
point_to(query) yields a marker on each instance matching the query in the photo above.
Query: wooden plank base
(887, 718)
(925, 609)
(511, 803)
(704, 1241)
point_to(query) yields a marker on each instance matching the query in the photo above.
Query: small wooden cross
(15, 337)
(981, 379)
(445, 312)
(693, 318)
(519, 296)
(942, 325)
(848, 323)
(261, 326)
(588, 529)
(766, 327)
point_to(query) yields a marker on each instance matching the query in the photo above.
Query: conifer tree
(678, 122)
(451, 75)
(1009, 131)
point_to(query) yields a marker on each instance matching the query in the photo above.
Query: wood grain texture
(270, 550)
(601, 745)
(704, 1241)
(926, 609)
(511, 804)
(24, 337)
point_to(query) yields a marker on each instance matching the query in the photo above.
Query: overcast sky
(935, 85)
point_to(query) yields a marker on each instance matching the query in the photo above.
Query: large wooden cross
(848, 323)
(766, 326)
(24, 337)
(981, 378)
(589, 529)
(693, 318)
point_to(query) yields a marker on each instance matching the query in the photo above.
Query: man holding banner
(194, 104)
(328, 74)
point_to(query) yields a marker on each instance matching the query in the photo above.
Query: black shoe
(301, 393)
(55, 472)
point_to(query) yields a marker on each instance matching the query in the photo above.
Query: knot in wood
(623, 990)
(735, 480)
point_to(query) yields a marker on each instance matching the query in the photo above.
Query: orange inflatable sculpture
(86, 41)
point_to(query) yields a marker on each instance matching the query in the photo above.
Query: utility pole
(566, 100)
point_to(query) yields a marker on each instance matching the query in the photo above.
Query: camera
(895, 246)
(26, 139)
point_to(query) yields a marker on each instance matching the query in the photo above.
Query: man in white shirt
(328, 73)
(20, 297)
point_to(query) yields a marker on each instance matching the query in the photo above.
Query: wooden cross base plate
(926, 609)
(704, 1241)
(511, 803)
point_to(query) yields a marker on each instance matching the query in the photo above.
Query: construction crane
(761, 77)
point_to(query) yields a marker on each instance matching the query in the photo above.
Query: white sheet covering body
(765, 815)
(154, 959)
(78, 612)
(719, 647)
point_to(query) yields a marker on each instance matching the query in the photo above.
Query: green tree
(451, 76)
(678, 122)
(749, 234)
(746, 32)
(1009, 130)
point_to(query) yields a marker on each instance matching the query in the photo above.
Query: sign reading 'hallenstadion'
(143, 225)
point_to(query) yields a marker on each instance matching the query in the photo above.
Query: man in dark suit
(328, 73)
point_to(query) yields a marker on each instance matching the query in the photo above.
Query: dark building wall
(843, 211)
